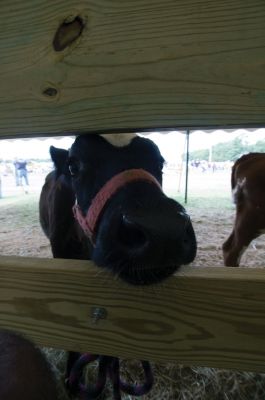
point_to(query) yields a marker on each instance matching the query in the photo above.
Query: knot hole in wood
(68, 32)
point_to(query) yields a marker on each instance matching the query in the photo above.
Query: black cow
(24, 371)
(126, 223)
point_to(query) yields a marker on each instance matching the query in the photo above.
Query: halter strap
(89, 222)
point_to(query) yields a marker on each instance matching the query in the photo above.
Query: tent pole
(187, 164)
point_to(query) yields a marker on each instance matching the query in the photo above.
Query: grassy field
(205, 191)
(20, 210)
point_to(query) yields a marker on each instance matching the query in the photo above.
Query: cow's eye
(73, 167)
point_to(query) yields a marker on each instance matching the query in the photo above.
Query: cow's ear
(60, 158)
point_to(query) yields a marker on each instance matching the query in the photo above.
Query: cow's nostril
(131, 234)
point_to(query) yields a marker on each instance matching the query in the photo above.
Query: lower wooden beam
(203, 316)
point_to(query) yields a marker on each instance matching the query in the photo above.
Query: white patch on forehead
(119, 139)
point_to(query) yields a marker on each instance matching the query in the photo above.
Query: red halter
(89, 222)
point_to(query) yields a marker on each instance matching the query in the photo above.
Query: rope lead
(107, 367)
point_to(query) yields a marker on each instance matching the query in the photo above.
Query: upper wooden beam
(130, 65)
(203, 316)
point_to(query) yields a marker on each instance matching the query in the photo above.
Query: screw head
(98, 313)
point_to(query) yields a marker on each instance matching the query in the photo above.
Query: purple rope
(140, 390)
(75, 380)
(108, 366)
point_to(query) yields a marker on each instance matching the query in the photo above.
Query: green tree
(258, 147)
(228, 151)
(198, 155)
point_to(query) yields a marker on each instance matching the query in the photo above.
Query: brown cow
(248, 188)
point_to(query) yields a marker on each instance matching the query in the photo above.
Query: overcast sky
(171, 144)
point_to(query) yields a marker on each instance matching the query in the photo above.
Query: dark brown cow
(24, 371)
(248, 188)
(126, 223)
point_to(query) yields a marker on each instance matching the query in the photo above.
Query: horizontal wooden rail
(202, 316)
(124, 65)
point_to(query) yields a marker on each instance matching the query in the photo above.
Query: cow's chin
(147, 275)
(138, 272)
(142, 275)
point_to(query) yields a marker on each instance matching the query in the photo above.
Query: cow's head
(138, 233)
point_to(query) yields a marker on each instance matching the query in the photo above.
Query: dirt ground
(212, 228)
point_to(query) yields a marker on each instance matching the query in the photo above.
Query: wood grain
(202, 316)
(140, 64)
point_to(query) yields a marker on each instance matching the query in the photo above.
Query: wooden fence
(123, 66)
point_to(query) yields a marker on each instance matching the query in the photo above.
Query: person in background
(22, 173)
